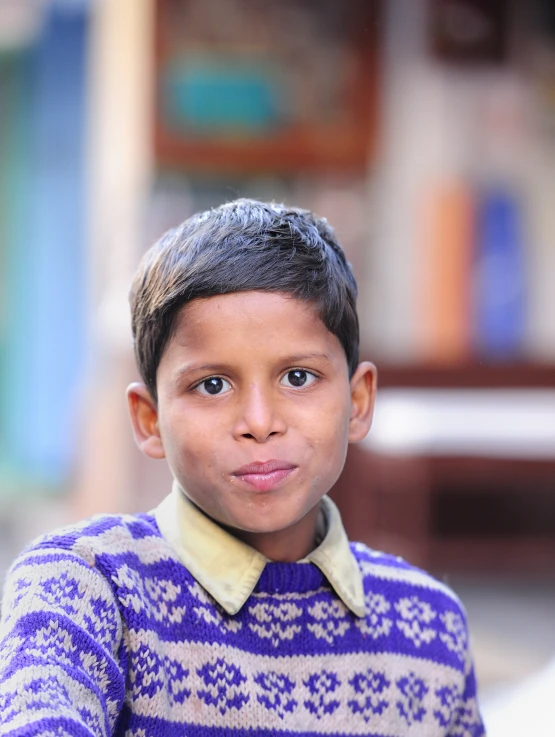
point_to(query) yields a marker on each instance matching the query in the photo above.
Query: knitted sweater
(105, 632)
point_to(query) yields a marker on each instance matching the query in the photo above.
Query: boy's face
(255, 410)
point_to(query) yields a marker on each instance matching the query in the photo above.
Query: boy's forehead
(262, 316)
(257, 306)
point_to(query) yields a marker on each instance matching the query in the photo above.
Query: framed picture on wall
(258, 85)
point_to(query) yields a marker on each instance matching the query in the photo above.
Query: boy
(238, 606)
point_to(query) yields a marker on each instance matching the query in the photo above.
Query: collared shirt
(229, 569)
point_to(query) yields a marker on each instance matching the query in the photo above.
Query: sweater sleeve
(61, 653)
(467, 721)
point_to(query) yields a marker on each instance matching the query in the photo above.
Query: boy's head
(246, 336)
(242, 246)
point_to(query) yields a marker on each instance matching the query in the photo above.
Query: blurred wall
(119, 165)
(82, 197)
(447, 125)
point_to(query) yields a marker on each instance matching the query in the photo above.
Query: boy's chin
(258, 526)
(270, 522)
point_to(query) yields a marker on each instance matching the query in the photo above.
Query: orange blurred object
(444, 293)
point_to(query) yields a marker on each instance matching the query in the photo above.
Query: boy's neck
(285, 546)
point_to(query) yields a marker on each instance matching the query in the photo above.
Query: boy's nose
(259, 416)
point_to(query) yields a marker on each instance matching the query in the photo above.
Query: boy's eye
(297, 378)
(212, 386)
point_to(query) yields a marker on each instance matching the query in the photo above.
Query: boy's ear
(363, 393)
(144, 417)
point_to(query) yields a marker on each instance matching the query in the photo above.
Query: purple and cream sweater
(106, 632)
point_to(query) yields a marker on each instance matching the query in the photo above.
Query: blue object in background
(500, 278)
(43, 350)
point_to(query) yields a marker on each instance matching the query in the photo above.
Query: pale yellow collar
(229, 569)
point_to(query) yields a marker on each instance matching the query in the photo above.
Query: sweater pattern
(105, 632)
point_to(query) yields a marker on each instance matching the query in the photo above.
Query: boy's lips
(264, 475)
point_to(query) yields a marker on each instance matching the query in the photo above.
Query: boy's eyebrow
(300, 357)
(190, 367)
(292, 360)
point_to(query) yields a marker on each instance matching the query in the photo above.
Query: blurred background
(424, 131)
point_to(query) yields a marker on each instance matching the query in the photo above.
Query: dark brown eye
(212, 386)
(298, 378)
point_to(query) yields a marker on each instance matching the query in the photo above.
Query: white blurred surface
(512, 633)
(515, 423)
(525, 709)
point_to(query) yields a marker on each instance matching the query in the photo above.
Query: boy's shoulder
(401, 598)
(399, 577)
(100, 535)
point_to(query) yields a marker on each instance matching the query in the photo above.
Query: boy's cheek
(328, 424)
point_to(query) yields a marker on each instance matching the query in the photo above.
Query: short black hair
(241, 246)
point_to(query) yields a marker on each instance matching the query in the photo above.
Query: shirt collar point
(232, 608)
(358, 609)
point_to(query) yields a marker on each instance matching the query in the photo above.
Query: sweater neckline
(290, 578)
